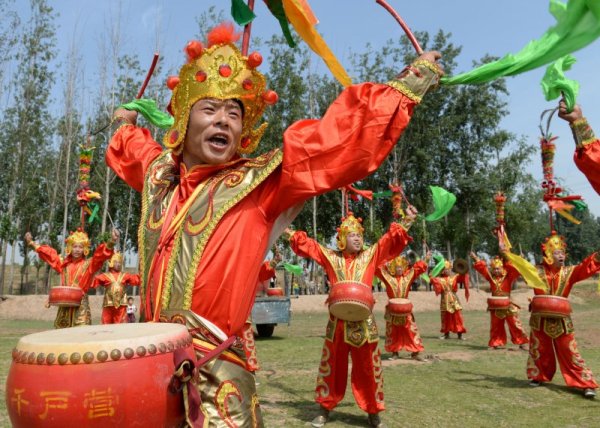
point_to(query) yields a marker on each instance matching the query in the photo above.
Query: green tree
(27, 128)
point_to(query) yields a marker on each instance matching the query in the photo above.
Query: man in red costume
(501, 279)
(553, 337)
(358, 338)
(209, 215)
(75, 271)
(587, 150)
(401, 331)
(450, 308)
(115, 298)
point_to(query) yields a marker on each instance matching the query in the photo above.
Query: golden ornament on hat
(399, 262)
(78, 237)
(117, 256)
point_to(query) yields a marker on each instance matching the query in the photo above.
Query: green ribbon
(577, 25)
(579, 205)
(241, 13)
(443, 201)
(439, 266)
(554, 83)
(151, 112)
(295, 269)
(94, 215)
(384, 194)
(276, 8)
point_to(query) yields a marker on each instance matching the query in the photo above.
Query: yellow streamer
(527, 271)
(302, 19)
(568, 216)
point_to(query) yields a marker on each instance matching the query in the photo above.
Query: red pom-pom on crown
(222, 34)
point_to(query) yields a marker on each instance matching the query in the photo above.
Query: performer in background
(352, 264)
(501, 279)
(451, 310)
(401, 331)
(75, 270)
(115, 281)
(209, 214)
(553, 337)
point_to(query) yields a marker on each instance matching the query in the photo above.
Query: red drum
(550, 306)
(498, 302)
(351, 301)
(97, 376)
(277, 291)
(68, 297)
(399, 306)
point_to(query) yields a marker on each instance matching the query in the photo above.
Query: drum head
(350, 311)
(103, 337)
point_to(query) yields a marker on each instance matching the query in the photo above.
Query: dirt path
(32, 307)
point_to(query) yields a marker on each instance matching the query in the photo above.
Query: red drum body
(97, 376)
(275, 292)
(498, 302)
(399, 307)
(550, 306)
(67, 297)
(351, 301)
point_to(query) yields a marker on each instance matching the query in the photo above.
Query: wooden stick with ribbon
(397, 17)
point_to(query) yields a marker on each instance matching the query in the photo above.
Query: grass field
(465, 385)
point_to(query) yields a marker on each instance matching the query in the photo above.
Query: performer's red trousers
(452, 322)
(543, 352)
(250, 348)
(366, 377)
(498, 332)
(112, 315)
(403, 336)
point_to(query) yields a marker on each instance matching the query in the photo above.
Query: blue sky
(481, 27)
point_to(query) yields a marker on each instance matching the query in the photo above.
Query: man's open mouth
(219, 140)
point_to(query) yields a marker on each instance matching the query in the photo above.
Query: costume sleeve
(481, 267)
(130, 153)
(437, 287)
(100, 281)
(511, 272)
(266, 272)
(349, 142)
(132, 279)
(391, 244)
(588, 267)
(587, 152)
(464, 279)
(419, 268)
(307, 247)
(102, 254)
(50, 256)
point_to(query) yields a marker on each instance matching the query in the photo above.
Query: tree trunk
(448, 243)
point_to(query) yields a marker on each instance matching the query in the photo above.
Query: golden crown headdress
(496, 262)
(349, 224)
(552, 243)
(447, 264)
(78, 237)
(219, 71)
(399, 262)
(117, 256)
